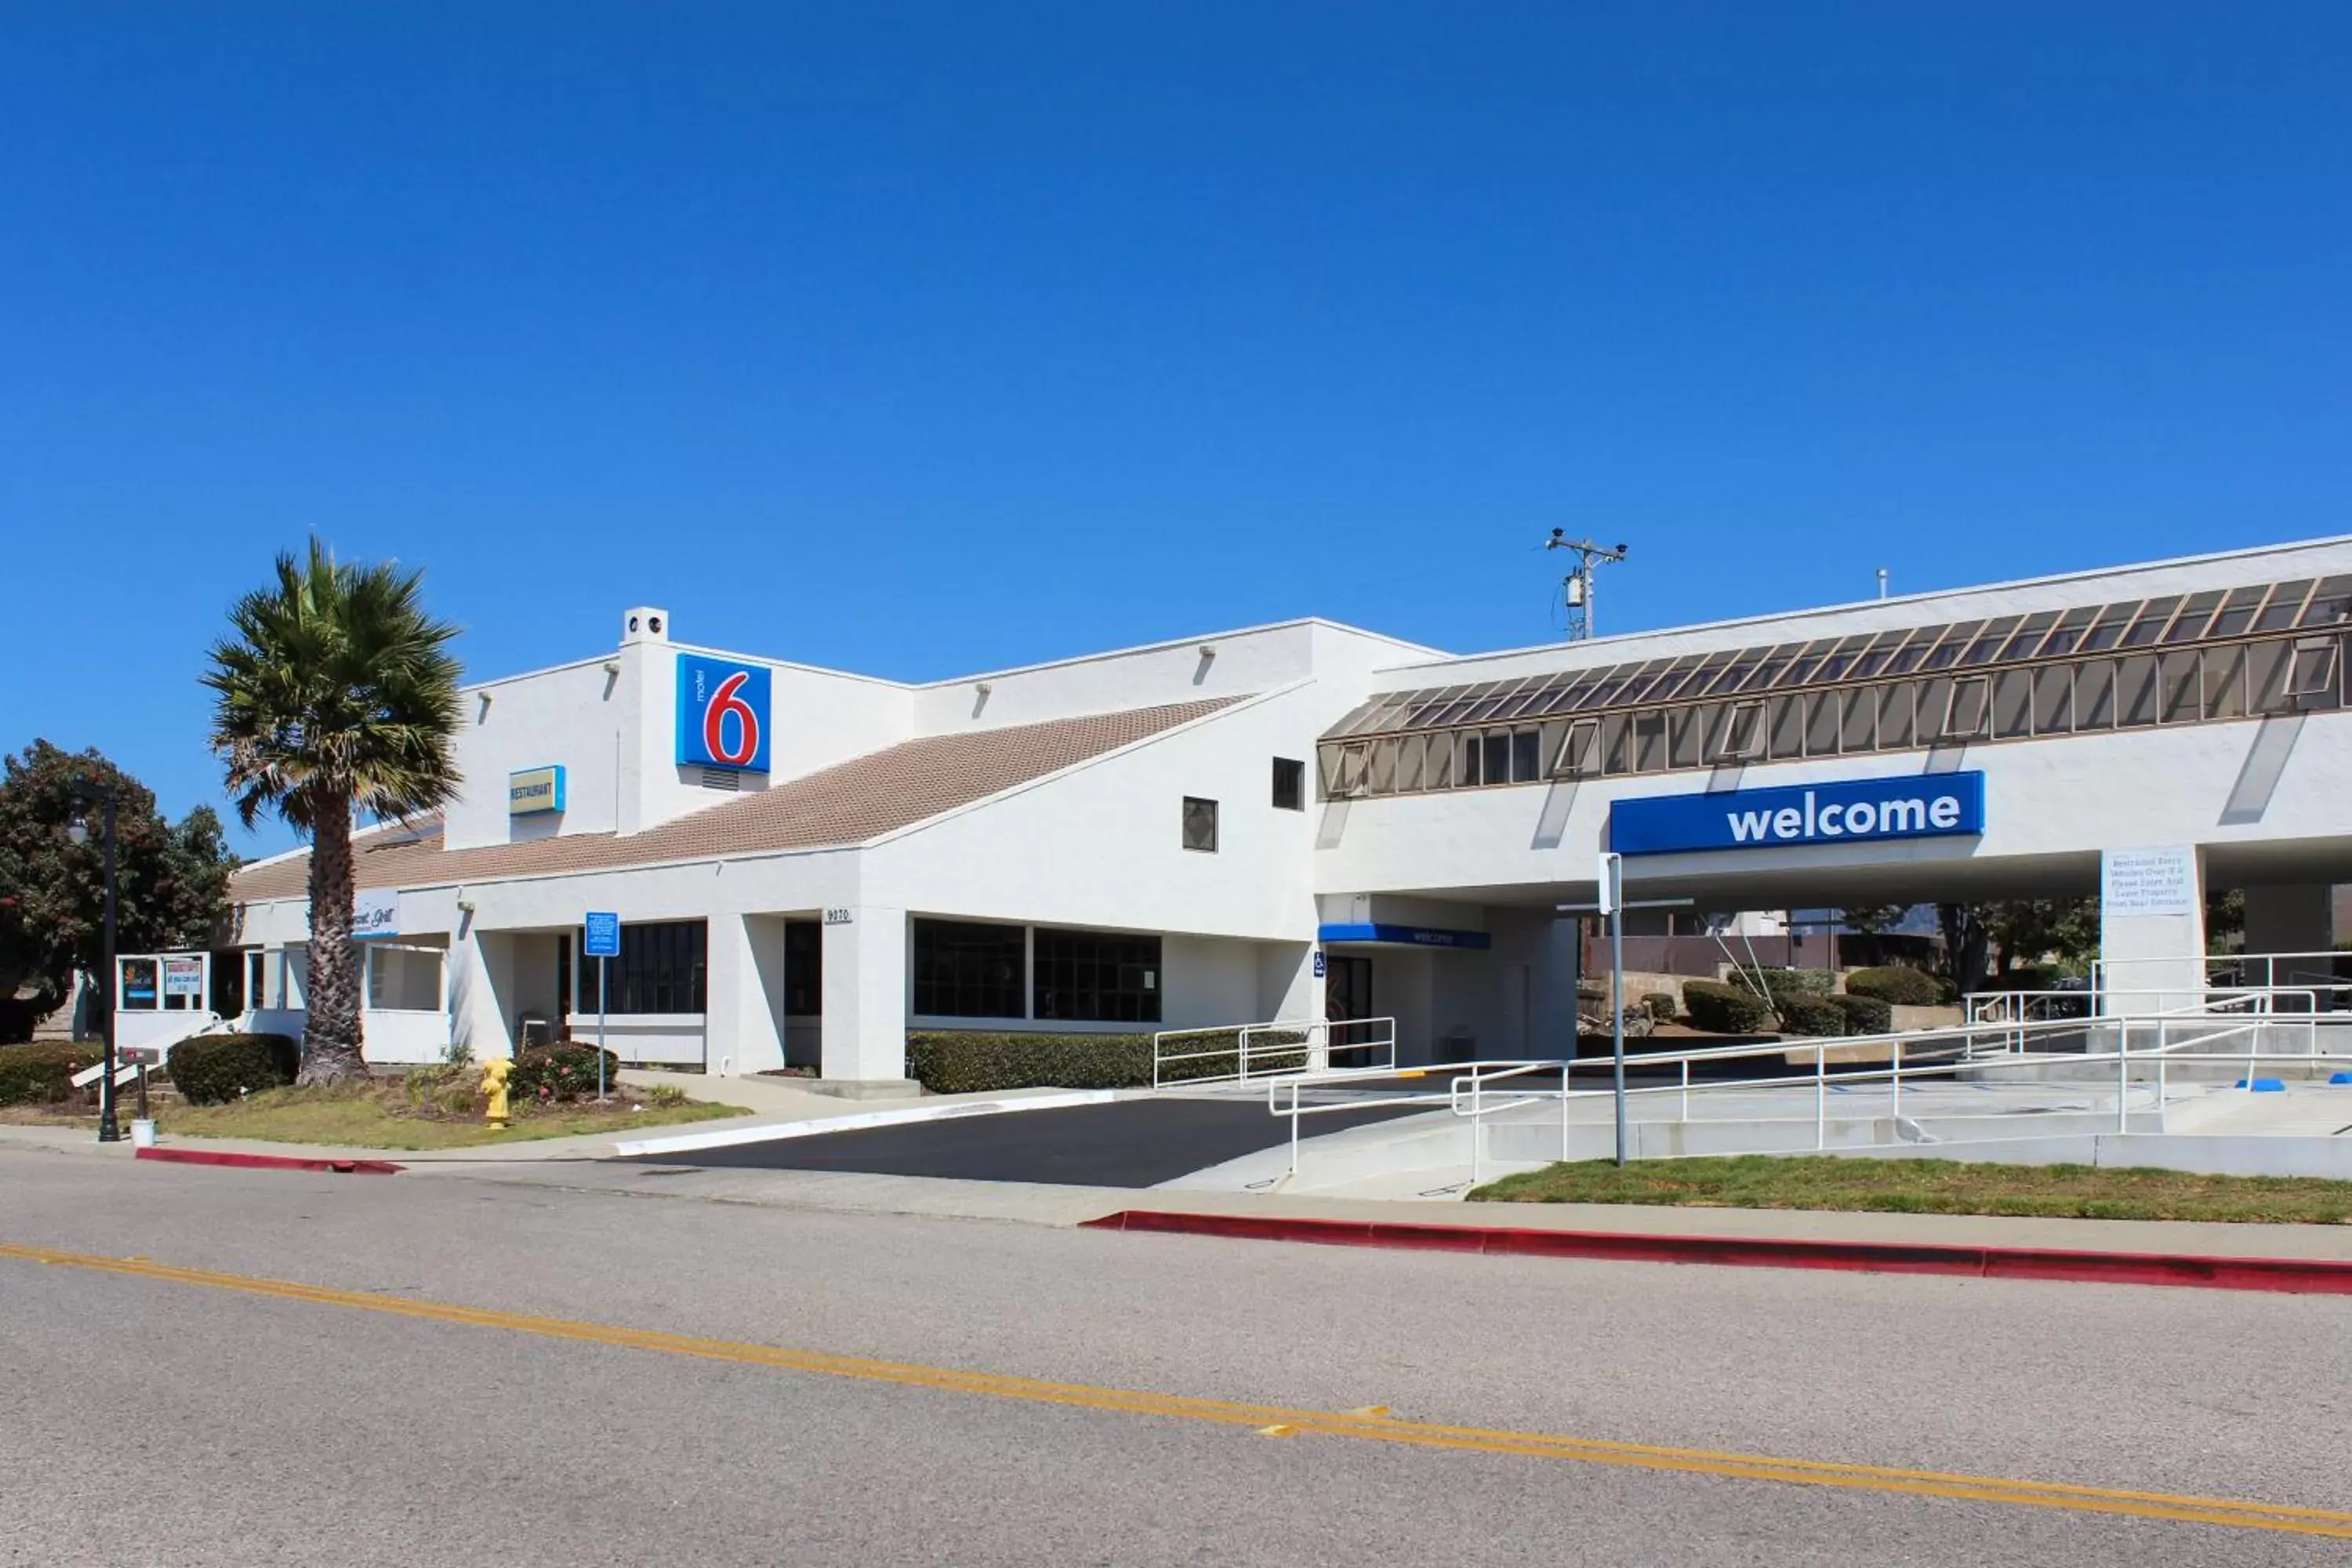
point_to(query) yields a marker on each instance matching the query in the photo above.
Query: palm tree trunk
(330, 1034)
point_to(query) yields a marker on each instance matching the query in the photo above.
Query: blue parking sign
(603, 933)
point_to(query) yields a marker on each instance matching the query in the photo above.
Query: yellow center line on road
(1362, 1424)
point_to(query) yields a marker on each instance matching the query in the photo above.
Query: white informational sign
(184, 977)
(2160, 881)
(375, 912)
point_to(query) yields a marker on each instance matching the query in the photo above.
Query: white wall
(571, 716)
(2058, 797)
(1256, 659)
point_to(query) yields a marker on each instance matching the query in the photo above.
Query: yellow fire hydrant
(494, 1084)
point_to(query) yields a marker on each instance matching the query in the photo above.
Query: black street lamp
(109, 1130)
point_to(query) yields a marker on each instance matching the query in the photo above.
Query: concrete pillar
(745, 993)
(479, 979)
(2151, 929)
(865, 1033)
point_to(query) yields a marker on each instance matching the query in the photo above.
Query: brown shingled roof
(847, 804)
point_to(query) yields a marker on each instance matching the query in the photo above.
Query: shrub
(664, 1097)
(1810, 1014)
(1779, 983)
(560, 1072)
(212, 1070)
(1865, 1014)
(43, 1075)
(1660, 1005)
(976, 1062)
(1726, 1009)
(1902, 987)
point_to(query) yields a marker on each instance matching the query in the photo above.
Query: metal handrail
(1930, 1052)
(1311, 1051)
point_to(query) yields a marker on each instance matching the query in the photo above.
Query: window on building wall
(1200, 824)
(257, 978)
(402, 977)
(661, 970)
(965, 970)
(1087, 976)
(1290, 784)
(804, 968)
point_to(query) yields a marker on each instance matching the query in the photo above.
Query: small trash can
(142, 1134)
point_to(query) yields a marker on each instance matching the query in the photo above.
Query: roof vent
(644, 624)
(719, 778)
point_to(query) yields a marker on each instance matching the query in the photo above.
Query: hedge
(977, 1062)
(1865, 1014)
(1814, 1016)
(564, 1071)
(1724, 1009)
(43, 1075)
(212, 1070)
(1902, 987)
(1660, 1005)
(1779, 983)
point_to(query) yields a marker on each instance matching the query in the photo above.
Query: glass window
(1649, 742)
(803, 969)
(2053, 699)
(256, 972)
(1743, 731)
(2182, 693)
(1200, 820)
(2095, 695)
(2069, 631)
(2012, 703)
(1466, 761)
(2108, 630)
(1381, 779)
(1822, 724)
(1859, 730)
(1579, 753)
(1290, 784)
(2135, 691)
(1087, 976)
(2286, 604)
(1494, 762)
(660, 969)
(1439, 770)
(1964, 711)
(2237, 613)
(2152, 622)
(402, 978)
(2189, 623)
(2225, 682)
(1527, 756)
(967, 970)
(2313, 675)
(2266, 670)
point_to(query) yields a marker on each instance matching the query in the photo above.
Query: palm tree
(337, 695)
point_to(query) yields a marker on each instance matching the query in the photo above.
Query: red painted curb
(270, 1161)
(2292, 1275)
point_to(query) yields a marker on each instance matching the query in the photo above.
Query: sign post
(1608, 901)
(601, 931)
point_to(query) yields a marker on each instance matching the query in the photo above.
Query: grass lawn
(1931, 1187)
(377, 1115)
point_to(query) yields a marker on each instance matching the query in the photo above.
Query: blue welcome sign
(1852, 811)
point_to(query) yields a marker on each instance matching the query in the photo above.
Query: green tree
(337, 695)
(2027, 930)
(171, 882)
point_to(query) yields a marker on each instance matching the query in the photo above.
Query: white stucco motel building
(1308, 819)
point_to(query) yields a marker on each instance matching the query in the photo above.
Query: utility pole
(1576, 588)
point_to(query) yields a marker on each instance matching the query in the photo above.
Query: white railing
(2185, 1036)
(1285, 1046)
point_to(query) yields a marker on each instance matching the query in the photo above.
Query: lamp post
(1611, 904)
(109, 1130)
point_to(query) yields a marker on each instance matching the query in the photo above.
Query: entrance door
(1347, 998)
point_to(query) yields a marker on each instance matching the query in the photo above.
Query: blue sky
(924, 339)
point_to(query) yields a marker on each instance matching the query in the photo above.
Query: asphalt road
(1126, 1143)
(150, 1417)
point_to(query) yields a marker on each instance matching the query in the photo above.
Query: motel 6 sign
(722, 713)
